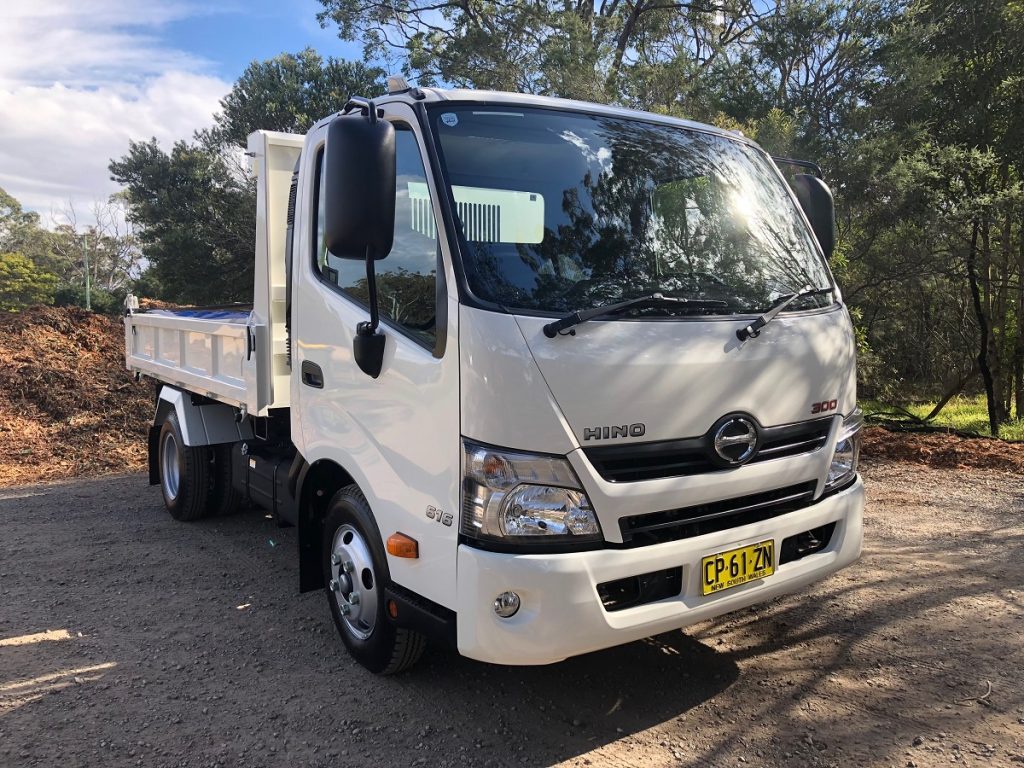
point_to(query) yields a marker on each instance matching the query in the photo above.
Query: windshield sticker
(450, 119)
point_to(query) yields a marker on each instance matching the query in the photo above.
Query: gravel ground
(187, 645)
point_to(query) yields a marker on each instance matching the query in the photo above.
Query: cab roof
(470, 96)
(465, 95)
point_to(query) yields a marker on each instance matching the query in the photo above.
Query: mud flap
(153, 442)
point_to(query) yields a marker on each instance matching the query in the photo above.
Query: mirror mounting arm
(368, 344)
(363, 105)
(371, 288)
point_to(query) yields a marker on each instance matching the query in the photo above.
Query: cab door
(397, 435)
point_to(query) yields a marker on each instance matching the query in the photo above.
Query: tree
(289, 93)
(21, 232)
(196, 220)
(194, 207)
(584, 50)
(23, 283)
(108, 244)
(914, 109)
(932, 203)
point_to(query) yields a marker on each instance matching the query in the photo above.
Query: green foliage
(21, 232)
(62, 253)
(196, 218)
(914, 109)
(647, 52)
(195, 205)
(934, 204)
(102, 301)
(23, 283)
(964, 414)
(289, 92)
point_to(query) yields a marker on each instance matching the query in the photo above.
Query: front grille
(687, 522)
(695, 455)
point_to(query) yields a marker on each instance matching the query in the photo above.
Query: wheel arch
(317, 484)
(202, 421)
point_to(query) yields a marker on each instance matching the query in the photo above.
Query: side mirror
(359, 206)
(816, 200)
(359, 187)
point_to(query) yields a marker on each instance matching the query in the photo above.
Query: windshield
(562, 211)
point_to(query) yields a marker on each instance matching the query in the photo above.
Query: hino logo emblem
(735, 440)
(607, 433)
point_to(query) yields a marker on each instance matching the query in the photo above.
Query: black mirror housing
(816, 200)
(359, 187)
(368, 349)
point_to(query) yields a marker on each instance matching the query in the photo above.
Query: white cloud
(78, 80)
(89, 42)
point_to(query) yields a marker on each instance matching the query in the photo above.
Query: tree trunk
(622, 43)
(984, 345)
(992, 302)
(1018, 349)
(956, 388)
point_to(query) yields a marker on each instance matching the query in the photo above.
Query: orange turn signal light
(401, 545)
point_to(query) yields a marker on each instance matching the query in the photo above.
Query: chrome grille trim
(635, 462)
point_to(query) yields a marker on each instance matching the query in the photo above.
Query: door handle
(312, 376)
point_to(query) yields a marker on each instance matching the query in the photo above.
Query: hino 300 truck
(531, 377)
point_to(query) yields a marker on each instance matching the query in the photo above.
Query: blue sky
(79, 79)
(231, 34)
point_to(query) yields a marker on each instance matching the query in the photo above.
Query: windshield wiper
(582, 315)
(753, 330)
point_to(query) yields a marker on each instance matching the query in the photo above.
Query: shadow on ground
(195, 646)
(195, 649)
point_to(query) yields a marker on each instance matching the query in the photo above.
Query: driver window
(406, 279)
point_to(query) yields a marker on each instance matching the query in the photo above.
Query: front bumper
(562, 614)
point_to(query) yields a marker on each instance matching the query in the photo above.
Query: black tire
(184, 473)
(224, 499)
(386, 649)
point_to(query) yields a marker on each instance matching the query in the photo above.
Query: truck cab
(532, 377)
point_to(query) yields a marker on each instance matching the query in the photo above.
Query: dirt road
(187, 645)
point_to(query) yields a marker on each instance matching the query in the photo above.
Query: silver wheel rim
(354, 582)
(170, 475)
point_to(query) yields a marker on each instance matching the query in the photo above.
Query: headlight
(847, 454)
(524, 498)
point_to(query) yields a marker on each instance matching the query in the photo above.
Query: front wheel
(356, 573)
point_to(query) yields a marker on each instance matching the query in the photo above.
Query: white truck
(531, 377)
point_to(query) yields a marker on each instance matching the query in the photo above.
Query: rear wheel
(356, 573)
(184, 473)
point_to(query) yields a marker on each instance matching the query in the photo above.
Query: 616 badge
(445, 518)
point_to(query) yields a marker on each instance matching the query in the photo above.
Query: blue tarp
(224, 315)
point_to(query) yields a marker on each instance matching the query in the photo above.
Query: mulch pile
(68, 407)
(940, 449)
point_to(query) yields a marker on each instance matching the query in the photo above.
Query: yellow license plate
(729, 569)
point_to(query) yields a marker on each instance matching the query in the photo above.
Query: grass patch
(964, 414)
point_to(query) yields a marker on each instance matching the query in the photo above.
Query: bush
(103, 302)
(23, 283)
